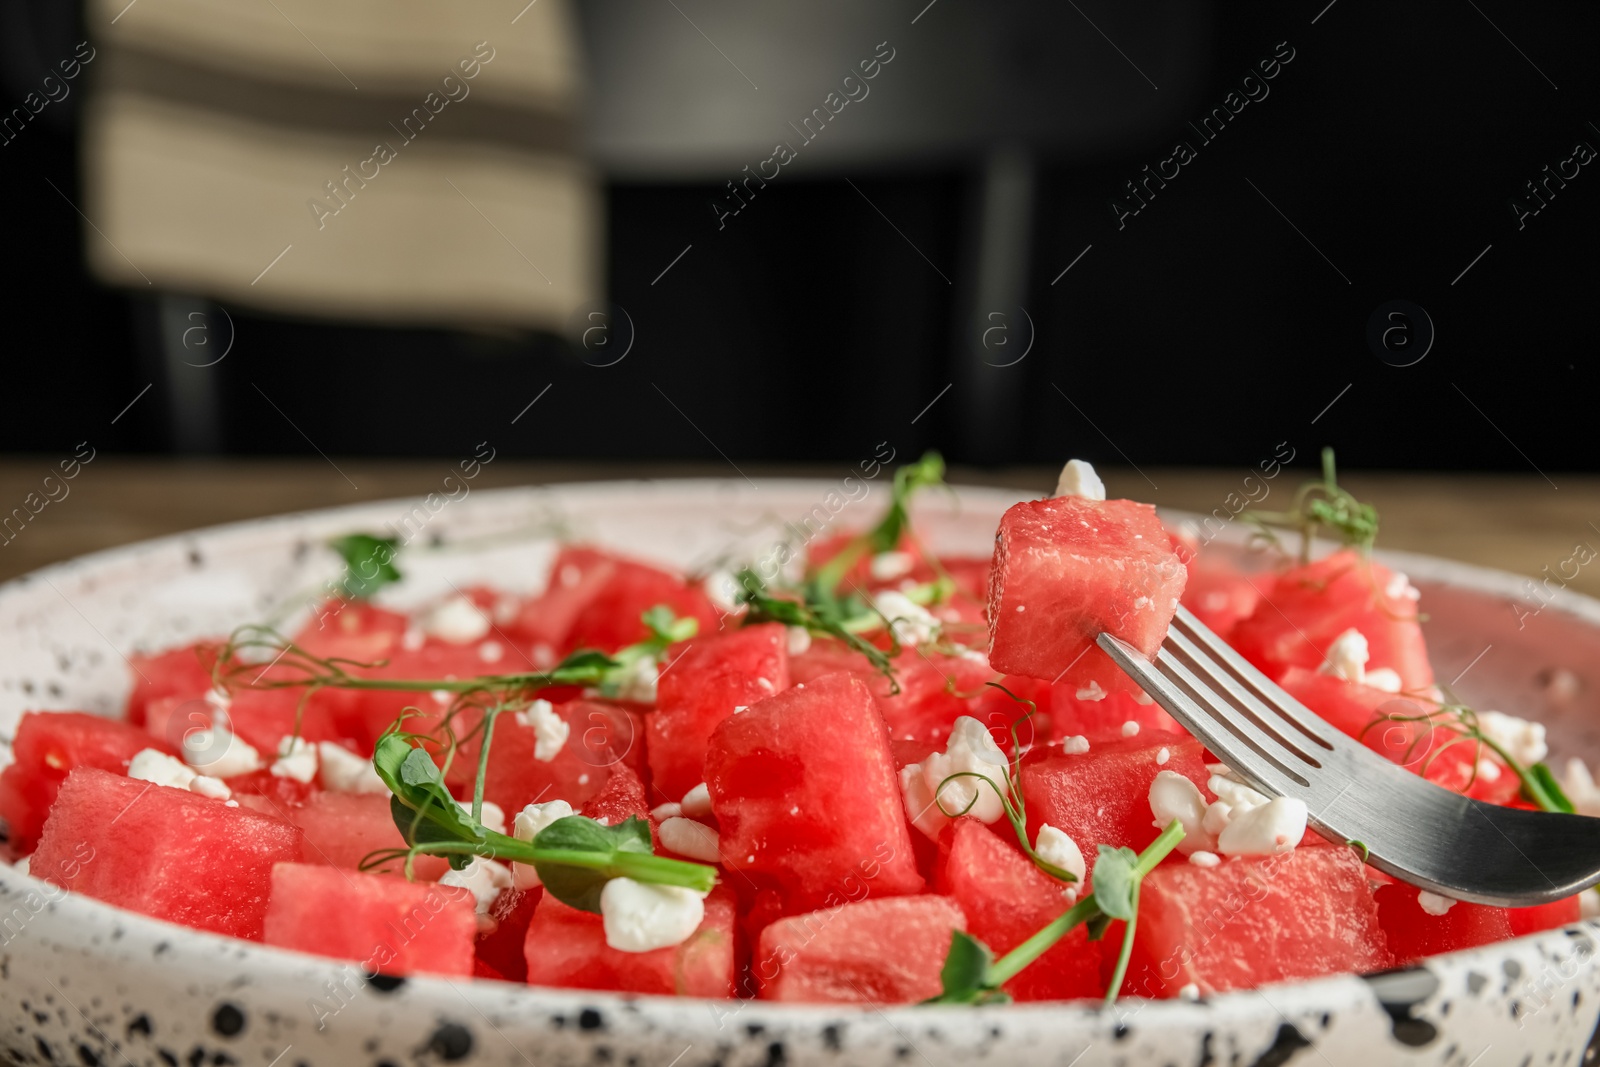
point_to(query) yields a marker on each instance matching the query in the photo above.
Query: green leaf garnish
(1321, 505)
(1116, 882)
(886, 535)
(1545, 791)
(819, 611)
(580, 886)
(368, 563)
(965, 975)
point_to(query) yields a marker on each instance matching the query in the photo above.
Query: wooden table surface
(1516, 523)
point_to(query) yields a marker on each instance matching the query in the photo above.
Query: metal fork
(1414, 830)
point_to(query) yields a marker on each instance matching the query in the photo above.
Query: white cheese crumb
(550, 731)
(219, 701)
(970, 751)
(1347, 657)
(1233, 792)
(1092, 691)
(1489, 771)
(297, 759)
(1202, 858)
(737, 708)
(1172, 796)
(639, 917)
(1076, 745)
(23, 865)
(694, 840)
(1400, 588)
(1579, 785)
(583, 779)
(1162, 756)
(457, 621)
(799, 639)
(1078, 478)
(722, 589)
(1216, 819)
(1271, 829)
(483, 878)
(1189, 992)
(638, 683)
(342, 771)
(413, 639)
(1385, 678)
(1433, 903)
(666, 811)
(1130, 728)
(493, 816)
(442, 697)
(1059, 850)
(207, 786)
(491, 652)
(526, 826)
(1524, 741)
(152, 765)
(911, 623)
(220, 754)
(1142, 698)
(887, 566)
(696, 802)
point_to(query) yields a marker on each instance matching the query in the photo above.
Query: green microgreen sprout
(971, 974)
(1321, 505)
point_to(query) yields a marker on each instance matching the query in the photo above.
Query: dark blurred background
(945, 267)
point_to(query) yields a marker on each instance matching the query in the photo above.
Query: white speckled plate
(81, 982)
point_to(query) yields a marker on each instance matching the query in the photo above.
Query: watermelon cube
(342, 829)
(610, 618)
(887, 951)
(1415, 932)
(543, 621)
(386, 923)
(1102, 796)
(1302, 914)
(804, 789)
(164, 852)
(1068, 569)
(1307, 607)
(1219, 594)
(931, 695)
(183, 672)
(702, 686)
(600, 738)
(1103, 719)
(1007, 900)
(501, 951)
(623, 798)
(47, 747)
(567, 947)
(1532, 920)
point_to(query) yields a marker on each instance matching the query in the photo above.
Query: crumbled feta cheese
(1347, 657)
(1078, 478)
(1217, 815)
(1579, 785)
(526, 826)
(1385, 678)
(220, 754)
(342, 771)
(737, 708)
(483, 878)
(970, 751)
(491, 652)
(666, 811)
(1172, 796)
(1060, 850)
(696, 802)
(1092, 691)
(1076, 745)
(493, 816)
(641, 917)
(1275, 827)
(638, 684)
(457, 621)
(1162, 755)
(1227, 788)
(799, 640)
(1523, 740)
(506, 610)
(911, 623)
(1130, 729)
(219, 701)
(1400, 588)
(207, 786)
(1489, 770)
(413, 639)
(887, 566)
(550, 731)
(1189, 992)
(1142, 698)
(297, 759)
(694, 840)
(1433, 903)
(722, 589)
(442, 697)
(24, 865)
(1202, 858)
(151, 765)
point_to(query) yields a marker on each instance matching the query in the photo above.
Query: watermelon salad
(854, 772)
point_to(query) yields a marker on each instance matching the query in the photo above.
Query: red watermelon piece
(567, 947)
(1414, 933)
(1219, 594)
(1067, 569)
(874, 951)
(611, 619)
(934, 688)
(622, 798)
(544, 621)
(1308, 606)
(502, 951)
(164, 852)
(182, 672)
(388, 924)
(47, 747)
(1105, 719)
(1102, 797)
(342, 829)
(601, 738)
(1007, 900)
(700, 688)
(1549, 916)
(1380, 720)
(803, 785)
(1303, 914)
